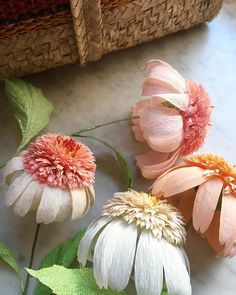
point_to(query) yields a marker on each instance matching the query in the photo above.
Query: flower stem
(121, 159)
(31, 258)
(102, 125)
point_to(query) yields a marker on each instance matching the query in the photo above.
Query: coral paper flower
(173, 121)
(140, 235)
(213, 206)
(56, 179)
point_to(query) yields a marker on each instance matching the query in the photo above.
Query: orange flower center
(216, 166)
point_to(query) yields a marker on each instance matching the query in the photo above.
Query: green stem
(3, 164)
(31, 258)
(103, 125)
(99, 140)
(120, 158)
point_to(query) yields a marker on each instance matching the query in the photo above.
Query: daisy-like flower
(173, 121)
(137, 235)
(54, 176)
(212, 202)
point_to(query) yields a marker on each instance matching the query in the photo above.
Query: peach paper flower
(173, 121)
(54, 176)
(212, 202)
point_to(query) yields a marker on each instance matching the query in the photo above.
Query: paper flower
(56, 177)
(173, 121)
(137, 234)
(212, 207)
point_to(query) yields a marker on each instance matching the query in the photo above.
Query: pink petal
(152, 164)
(186, 202)
(205, 203)
(152, 86)
(167, 79)
(162, 130)
(227, 218)
(179, 100)
(136, 109)
(180, 180)
(138, 133)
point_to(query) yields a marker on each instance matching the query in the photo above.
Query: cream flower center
(147, 212)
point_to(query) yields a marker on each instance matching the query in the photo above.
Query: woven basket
(87, 29)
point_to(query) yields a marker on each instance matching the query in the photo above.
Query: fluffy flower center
(196, 118)
(216, 166)
(147, 212)
(59, 161)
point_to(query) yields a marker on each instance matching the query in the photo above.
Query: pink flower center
(60, 161)
(196, 118)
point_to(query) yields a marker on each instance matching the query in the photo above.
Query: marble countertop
(106, 90)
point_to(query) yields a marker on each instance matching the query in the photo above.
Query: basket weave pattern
(97, 27)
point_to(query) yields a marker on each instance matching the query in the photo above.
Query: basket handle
(87, 19)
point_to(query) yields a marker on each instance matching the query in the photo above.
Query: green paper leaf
(125, 169)
(121, 159)
(64, 254)
(8, 256)
(32, 109)
(64, 281)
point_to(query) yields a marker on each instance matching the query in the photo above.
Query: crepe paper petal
(205, 203)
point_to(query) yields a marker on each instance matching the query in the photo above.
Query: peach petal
(152, 163)
(205, 203)
(163, 132)
(166, 76)
(228, 218)
(183, 179)
(212, 233)
(186, 202)
(163, 178)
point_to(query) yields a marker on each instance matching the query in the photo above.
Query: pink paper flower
(173, 121)
(207, 188)
(56, 179)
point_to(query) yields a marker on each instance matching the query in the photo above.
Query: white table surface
(106, 90)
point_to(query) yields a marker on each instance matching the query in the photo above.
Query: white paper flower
(54, 176)
(140, 235)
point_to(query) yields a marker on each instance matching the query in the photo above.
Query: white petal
(16, 188)
(64, 205)
(48, 207)
(123, 260)
(92, 195)
(85, 243)
(148, 265)
(15, 164)
(79, 203)
(104, 252)
(184, 258)
(37, 198)
(24, 202)
(175, 271)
